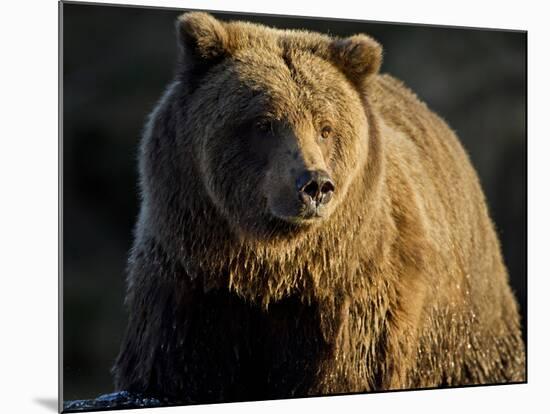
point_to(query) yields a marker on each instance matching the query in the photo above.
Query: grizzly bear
(307, 226)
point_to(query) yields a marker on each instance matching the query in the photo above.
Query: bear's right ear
(201, 35)
(358, 56)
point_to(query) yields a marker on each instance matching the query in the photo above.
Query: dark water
(118, 400)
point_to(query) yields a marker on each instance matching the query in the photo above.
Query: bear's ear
(357, 56)
(201, 35)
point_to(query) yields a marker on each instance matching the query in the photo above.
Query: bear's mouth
(305, 216)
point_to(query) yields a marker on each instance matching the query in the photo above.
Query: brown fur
(399, 284)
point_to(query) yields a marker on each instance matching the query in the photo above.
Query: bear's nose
(315, 186)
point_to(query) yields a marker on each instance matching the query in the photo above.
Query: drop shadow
(49, 403)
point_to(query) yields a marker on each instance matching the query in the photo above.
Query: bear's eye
(326, 132)
(263, 125)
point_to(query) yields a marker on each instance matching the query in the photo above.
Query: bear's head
(277, 119)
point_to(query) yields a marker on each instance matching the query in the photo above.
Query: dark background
(117, 61)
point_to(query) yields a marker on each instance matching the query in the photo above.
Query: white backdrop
(29, 183)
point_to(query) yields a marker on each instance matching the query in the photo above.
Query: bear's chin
(274, 229)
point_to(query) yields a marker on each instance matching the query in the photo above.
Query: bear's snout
(315, 189)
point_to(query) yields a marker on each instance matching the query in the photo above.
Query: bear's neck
(334, 259)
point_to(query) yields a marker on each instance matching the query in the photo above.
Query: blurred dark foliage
(117, 61)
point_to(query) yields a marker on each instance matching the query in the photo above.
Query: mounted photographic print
(260, 207)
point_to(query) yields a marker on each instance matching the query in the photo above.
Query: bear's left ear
(357, 56)
(202, 36)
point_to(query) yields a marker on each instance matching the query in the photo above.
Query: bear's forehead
(289, 78)
(282, 87)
